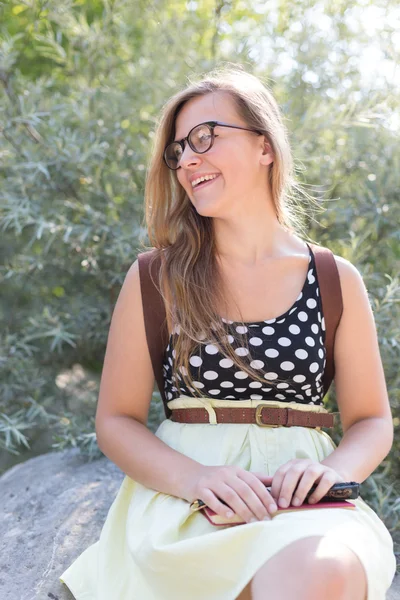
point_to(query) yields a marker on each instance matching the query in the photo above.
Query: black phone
(345, 490)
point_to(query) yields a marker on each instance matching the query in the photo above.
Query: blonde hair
(189, 279)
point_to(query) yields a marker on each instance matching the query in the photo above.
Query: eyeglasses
(200, 139)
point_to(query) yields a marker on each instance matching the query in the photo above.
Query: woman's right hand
(243, 491)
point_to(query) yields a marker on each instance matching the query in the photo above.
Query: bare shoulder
(132, 279)
(354, 290)
(346, 269)
(357, 310)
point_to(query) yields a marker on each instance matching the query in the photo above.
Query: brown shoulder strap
(332, 304)
(155, 316)
(155, 320)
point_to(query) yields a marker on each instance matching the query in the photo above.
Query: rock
(52, 507)
(394, 592)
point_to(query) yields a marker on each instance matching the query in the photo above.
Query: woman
(245, 327)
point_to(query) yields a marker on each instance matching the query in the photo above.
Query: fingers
(293, 481)
(241, 492)
(293, 477)
(219, 507)
(265, 479)
(326, 481)
(248, 510)
(257, 500)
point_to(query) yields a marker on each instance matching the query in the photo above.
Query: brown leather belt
(264, 415)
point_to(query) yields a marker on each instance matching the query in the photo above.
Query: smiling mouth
(204, 183)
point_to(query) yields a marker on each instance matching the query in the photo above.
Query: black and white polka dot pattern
(289, 349)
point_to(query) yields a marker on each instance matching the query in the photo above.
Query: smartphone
(345, 490)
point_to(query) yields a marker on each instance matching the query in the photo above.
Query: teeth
(200, 179)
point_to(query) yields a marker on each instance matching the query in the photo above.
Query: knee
(313, 568)
(331, 570)
(329, 577)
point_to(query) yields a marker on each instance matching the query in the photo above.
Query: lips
(205, 183)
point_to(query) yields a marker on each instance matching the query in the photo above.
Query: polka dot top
(289, 349)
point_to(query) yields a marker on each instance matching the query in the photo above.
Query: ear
(267, 156)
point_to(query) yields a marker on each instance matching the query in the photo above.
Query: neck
(254, 244)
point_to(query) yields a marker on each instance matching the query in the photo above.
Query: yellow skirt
(153, 548)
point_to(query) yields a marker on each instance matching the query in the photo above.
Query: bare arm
(145, 458)
(124, 399)
(360, 384)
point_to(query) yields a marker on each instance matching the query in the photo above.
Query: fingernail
(266, 518)
(283, 502)
(272, 508)
(229, 514)
(253, 520)
(296, 502)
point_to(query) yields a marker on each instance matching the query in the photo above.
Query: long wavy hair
(190, 281)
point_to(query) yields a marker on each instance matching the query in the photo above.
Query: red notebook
(216, 519)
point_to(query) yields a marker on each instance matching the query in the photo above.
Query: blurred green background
(82, 84)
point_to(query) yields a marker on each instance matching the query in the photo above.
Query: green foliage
(82, 85)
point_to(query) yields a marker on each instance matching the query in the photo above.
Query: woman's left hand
(297, 477)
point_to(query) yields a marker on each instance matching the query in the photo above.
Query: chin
(206, 209)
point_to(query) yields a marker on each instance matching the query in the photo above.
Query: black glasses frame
(211, 125)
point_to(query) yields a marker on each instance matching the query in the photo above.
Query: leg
(317, 568)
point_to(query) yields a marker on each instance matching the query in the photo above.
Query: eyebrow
(181, 138)
(201, 123)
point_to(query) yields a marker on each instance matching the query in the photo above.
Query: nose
(189, 157)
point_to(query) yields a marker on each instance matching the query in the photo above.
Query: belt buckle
(258, 413)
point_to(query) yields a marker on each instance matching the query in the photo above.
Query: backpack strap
(332, 305)
(156, 323)
(155, 319)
